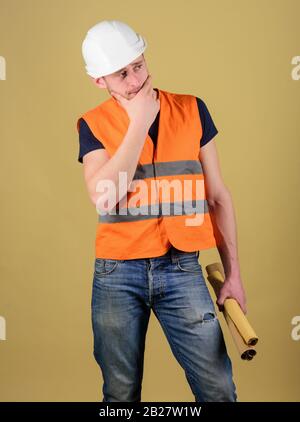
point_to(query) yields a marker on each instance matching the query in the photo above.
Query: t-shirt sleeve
(209, 129)
(87, 141)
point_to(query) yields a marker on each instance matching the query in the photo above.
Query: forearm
(224, 224)
(125, 160)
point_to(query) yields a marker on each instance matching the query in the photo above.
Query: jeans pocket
(189, 262)
(105, 266)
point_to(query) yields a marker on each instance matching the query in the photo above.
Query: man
(134, 147)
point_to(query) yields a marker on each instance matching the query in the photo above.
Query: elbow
(102, 204)
(220, 197)
(93, 199)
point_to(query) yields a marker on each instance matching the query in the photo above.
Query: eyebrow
(124, 68)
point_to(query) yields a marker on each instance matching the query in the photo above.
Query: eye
(123, 74)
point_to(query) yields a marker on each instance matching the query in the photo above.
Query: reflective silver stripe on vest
(152, 211)
(169, 168)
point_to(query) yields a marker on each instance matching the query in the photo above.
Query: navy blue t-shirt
(88, 142)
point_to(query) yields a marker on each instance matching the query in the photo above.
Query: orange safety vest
(155, 216)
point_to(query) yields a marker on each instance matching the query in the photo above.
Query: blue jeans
(173, 286)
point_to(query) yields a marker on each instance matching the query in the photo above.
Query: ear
(99, 82)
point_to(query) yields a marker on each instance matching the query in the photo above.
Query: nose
(133, 82)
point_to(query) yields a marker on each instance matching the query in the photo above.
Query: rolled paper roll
(243, 334)
(246, 352)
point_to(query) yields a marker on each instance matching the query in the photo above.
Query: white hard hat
(109, 46)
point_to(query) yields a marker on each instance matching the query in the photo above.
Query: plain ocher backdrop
(237, 57)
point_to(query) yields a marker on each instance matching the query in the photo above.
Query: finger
(244, 309)
(147, 85)
(114, 95)
(221, 299)
(220, 307)
(149, 88)
(242, 306)
(118, 97)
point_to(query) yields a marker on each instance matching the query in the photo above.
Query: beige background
(236, 56)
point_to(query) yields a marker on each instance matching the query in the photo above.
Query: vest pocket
(105, 266)
(189, 262)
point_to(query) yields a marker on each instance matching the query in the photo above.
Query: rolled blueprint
(243, 334)
(246, 352)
